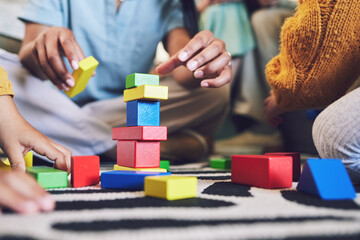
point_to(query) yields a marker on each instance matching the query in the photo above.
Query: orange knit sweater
(320, 54)
(5, 85)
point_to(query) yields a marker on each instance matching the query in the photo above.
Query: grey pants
(336, 132)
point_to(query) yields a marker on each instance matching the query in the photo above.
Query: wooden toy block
(220, 163)
(49, 177)
(165, 164)
(144, 133)
(171, 187)
(146, 92)
(137, 154)
(85, 171)
(121, 168)
(296, 162)
(142, 113)
(326, 179)
(138, 79)
(127, 180)
(262, 171)
(82, 75)
(312, 114)
(5, 165)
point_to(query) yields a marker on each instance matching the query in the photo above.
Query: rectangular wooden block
(142, 113)
(296, 162)
(138, 79)
(5, 164)
(220, 163)
(146, 92)
(171, 187)
(137, 154)
(82, 75)
(121, 168)
(127, 180)
(165, 164)
(49, 177)
(262, 171)
(85, 171)
(144, 133)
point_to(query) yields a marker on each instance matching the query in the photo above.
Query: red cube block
(296, 162)
(153, 133)
(262, 171)
(138, 154)
(85, 171)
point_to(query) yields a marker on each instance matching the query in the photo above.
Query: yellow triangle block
(171, 187)
(146, 92)
(117, 167)
(5, 165)
(82, 75)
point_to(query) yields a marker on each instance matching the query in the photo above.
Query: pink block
(153, 133)
(138, 154)
(262, 171)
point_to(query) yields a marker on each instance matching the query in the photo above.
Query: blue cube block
(127, 180)
(313, 113)
(327, 179)
(142, 113)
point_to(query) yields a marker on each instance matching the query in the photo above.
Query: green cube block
(220, 163)
(49, 177)
(138, 79)
(165, 164)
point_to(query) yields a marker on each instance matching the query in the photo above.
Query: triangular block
(327, 179)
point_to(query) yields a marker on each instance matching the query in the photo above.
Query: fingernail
(204, 84)
(70, 82)
(66, 88)
(75, 64)
(47, 203)
(192, 65)
(183, 56)
(199, 74)
(30, 207)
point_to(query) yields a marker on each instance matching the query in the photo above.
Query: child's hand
(206, 57)
(45, 46)
(272, 111)
(21, 193)
(17, 137)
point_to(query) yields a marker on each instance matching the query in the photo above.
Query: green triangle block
(138, 79)
(49, 177)
(220, 163)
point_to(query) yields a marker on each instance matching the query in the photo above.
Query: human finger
(55, 60)
(65, 151)
(15, 155)
(212, 51)
(214, 66)
(222, 79)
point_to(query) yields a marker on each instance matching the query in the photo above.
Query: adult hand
(47, 50)
(272, 111)
(17, 137)
(21, 193)
(206, 57)
(268, 3)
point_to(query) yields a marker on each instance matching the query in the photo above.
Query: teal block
(165, 164)
(326, 179)
(49, 177)
(138, 79)
(220, 163)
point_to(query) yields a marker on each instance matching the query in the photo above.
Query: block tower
(138, 144)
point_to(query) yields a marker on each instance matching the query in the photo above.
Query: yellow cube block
(5, 165)
(146, 92)
(82, 75)
(117, 167)
(171, 187)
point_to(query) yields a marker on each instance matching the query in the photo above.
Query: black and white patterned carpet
(222, 210)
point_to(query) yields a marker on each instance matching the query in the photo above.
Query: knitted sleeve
(5, 85)
(319, 56)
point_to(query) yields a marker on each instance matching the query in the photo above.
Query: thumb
(169, 65)
(16, 158)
